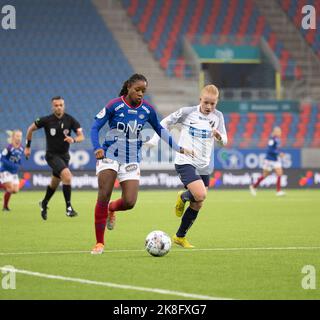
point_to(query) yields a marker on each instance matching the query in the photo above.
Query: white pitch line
(174, 250)
(114, 285)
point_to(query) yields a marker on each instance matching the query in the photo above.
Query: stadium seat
(293, 9)
(78, 59)
(174, 19)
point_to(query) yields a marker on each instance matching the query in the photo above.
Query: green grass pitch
(246, 248)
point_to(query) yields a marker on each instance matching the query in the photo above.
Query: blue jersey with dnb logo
(11, 159)
(273, 149)
(123, 140)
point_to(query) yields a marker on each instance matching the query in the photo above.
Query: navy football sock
(66, 188)
(48, 195)
(187, 220)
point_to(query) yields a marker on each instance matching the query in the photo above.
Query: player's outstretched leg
(100, 217)
(70, 212)
(186, 222)
(196, 194)
(44, 203)
(180, 204)
(106, 179)
(126, 202)
(183, 197)
(111, 218)
(279, 191)
(43, 210)
(51, 189)
(66, 177)
(6, 199)
(253, 190)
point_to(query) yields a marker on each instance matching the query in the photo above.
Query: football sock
(100, 219)
(48, 195)
(278, 183)
(187, 196)
(187, 220)
(258, 181)
(6, 199)
(117, 205)
(66, 188)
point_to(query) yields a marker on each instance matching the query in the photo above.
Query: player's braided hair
(135, 77)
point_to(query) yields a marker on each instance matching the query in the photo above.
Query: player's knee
(9, 189)
(66, 176)
(200, 196)
(103, 194)
(196, 205)
(67, 179)
(129, 203)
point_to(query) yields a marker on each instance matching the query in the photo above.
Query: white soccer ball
(158, 243)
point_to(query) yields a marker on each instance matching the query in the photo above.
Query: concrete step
(168, 94)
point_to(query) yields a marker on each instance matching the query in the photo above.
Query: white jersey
(196, 134)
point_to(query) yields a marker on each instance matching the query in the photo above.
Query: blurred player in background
(57, 127)
(271, 162)
(121, 151)
(201, 125)
(10, 162)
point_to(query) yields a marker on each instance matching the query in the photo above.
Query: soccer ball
(158, 243)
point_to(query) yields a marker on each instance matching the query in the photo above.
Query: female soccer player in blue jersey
(10, 162)
(120, 154)
(271, 162)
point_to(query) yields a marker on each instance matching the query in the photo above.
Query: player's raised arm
(79, 133)
(165, 135)
(33, 127)
(100, 119)
(167, 123)
(220, 134)
(79, 136)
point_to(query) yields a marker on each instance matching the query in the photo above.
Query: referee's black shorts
(57, 162)
(188, 173)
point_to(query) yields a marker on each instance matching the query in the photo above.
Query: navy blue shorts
(187, 174)
(57, 162)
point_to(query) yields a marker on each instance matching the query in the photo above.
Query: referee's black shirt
(56, 130)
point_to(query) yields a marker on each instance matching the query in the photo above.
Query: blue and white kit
(123, 141)
(10, 162)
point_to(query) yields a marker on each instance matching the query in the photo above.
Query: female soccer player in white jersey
(201, 125)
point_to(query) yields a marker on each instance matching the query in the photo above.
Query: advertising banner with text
(168, 179)
(224, 158)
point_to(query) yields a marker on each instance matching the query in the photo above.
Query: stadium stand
(293, 9)
(174, 19)
(252, 129)
(90, 67)
(88, 70)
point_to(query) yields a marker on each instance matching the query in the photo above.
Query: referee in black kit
(58, 127)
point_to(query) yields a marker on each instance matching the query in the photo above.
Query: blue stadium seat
(74, 56)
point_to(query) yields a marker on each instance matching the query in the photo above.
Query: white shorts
(269, 165)
(7, 177)
(126, 171)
